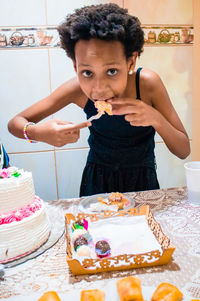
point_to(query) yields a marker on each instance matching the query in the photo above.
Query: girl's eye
(112, 72)
(87, 73)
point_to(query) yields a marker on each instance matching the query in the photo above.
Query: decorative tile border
(183, 34)
(48, 36)
(28, 37)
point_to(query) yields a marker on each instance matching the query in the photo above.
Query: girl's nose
(99, 90)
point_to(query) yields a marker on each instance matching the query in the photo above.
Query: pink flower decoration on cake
(37, 205)
(16, 216)
(10, 218)
(25, 212)
(31, 208)
(4, 173)
(2, 219)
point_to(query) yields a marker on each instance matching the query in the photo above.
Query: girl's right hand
(56, 132)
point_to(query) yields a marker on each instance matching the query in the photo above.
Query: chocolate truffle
(102, 248)
(80, 241)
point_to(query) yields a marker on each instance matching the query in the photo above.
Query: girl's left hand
(136, 112)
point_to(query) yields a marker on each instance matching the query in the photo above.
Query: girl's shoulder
(151, 86)
(149, 77)
(71, 90)
(150, 80)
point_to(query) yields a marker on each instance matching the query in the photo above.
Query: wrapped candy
(84, 251)
(102, 248)
(80, 225)
(77, 233)
(80, 241)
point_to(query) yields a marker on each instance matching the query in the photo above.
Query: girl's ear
(74, 64)
(132, 62)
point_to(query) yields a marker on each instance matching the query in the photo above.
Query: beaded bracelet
(25, 132)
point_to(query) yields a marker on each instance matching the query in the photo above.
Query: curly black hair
(107, 22)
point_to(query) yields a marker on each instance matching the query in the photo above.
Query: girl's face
(102, 68)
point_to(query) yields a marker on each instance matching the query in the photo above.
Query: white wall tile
(61, 67)
(42, 166)
(57, 13)
(62, 70)
(22, 13)
(24, 80)
(174, 66)
(70, 165)
(161, 11)
(170, 169)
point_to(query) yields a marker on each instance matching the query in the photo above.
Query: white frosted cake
(24, 224)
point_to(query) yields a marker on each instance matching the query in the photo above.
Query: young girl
(104, 42)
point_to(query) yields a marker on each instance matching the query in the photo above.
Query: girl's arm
(54, 132)
(167, 122)
(157, 111)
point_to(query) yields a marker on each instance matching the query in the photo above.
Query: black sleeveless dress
(121, 156)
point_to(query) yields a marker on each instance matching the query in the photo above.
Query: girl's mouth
(105, 99)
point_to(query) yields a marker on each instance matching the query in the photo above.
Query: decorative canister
(151, 37)
(3, 40)
(172, 38)
(177, 36)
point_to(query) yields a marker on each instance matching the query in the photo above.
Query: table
(179, 220)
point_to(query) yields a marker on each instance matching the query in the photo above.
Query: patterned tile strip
(29, 37)
(168, 35)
